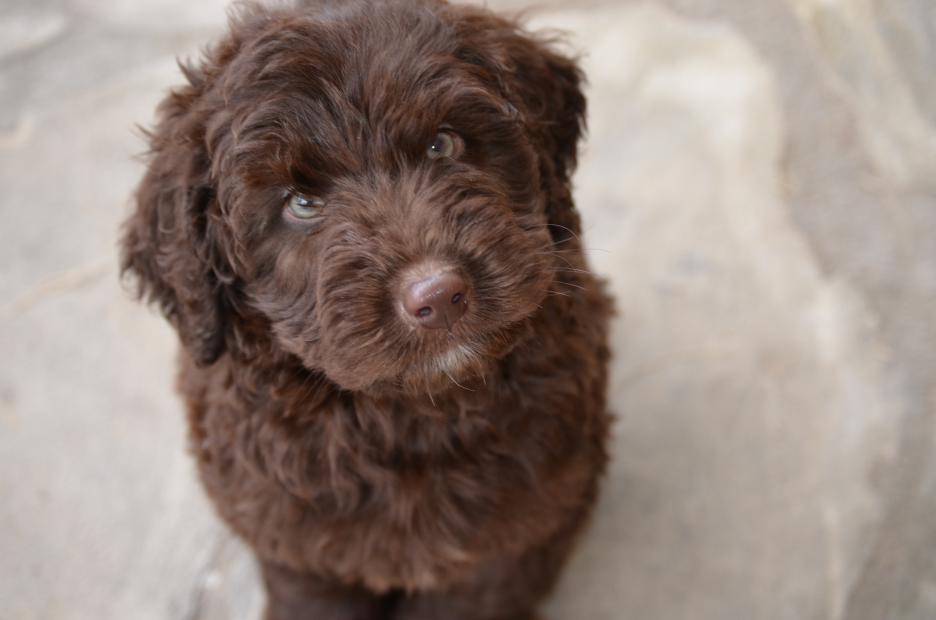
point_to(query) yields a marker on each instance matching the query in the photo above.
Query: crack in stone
(26, 33)
(18, 135)
(57, 284)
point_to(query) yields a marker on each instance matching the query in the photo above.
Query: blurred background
(759, 185)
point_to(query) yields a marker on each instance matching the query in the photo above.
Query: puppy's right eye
(304, 208)
(446, 144)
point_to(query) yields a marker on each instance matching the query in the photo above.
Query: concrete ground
(759, 185)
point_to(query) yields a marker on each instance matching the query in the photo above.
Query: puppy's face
(380, 194)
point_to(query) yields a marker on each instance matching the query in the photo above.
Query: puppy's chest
(394, 505)
(405, 474)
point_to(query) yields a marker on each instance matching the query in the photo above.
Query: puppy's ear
(545, 87)
(168, 243)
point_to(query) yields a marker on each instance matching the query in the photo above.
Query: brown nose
(437, 301)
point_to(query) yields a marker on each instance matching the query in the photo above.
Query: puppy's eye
(304, 207)
(446, 144)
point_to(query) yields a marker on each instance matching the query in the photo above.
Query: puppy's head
(376, 188)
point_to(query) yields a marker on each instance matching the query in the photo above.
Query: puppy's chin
(434, 375)
(460, 366)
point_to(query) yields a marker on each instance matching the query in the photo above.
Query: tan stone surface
(760, 187)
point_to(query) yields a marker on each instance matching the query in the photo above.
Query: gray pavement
(759, 184)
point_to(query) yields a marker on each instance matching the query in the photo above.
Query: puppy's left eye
(302, 207)
(446, 144)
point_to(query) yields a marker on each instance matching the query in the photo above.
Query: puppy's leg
(504, 589)
(298, 596)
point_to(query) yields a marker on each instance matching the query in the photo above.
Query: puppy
(357, 215)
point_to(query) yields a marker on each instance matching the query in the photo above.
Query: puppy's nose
(437, 301)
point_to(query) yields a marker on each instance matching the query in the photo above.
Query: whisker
(555, 255)
(452, 379)
(564, 241)
(565, 228)
(581, 288)
(565, 260)
(559, 251)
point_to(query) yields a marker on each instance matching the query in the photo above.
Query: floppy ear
(546, 89)
(168, 243)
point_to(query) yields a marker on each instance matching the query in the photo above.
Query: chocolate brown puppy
(358, 217)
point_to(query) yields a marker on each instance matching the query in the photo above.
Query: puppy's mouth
(461, 366)
(409, 358)
(464, 364)
(455, 342)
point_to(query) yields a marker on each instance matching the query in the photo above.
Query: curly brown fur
(376, 468)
